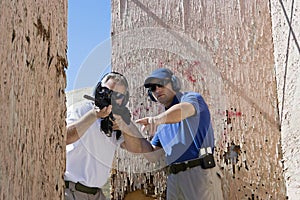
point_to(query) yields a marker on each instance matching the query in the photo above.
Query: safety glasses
(117, 95)
(161, 83)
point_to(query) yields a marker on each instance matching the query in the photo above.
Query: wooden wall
(286, 40)
(33, 42)
(224, 50)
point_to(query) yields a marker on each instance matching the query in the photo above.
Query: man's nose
(157, 88)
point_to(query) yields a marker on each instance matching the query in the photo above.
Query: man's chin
(161, 100)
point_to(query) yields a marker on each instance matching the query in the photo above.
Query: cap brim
(159, 76)
(149, 80)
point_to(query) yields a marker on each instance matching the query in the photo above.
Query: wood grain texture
(224, 50)
(33, 46)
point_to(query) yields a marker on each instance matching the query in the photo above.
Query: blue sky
(88, 42)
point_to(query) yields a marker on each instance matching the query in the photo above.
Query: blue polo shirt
(181, 141)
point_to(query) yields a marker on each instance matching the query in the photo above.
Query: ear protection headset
(123, 80)
(175, 82)
(176, 85)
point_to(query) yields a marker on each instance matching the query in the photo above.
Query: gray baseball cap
(161, 73)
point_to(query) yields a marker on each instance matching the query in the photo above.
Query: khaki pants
(195, 184)
(72, 194)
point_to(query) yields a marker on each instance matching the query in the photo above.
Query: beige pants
(195, 184)
(72, 194)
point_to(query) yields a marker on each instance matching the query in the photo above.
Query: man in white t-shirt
(90, 151)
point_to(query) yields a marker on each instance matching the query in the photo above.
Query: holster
(207, 161)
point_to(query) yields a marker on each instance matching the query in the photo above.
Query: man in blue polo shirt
(185, 133)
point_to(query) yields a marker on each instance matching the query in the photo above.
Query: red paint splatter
(191, 79)
(160, 64)
(179, 62)
(196, 63)
(233, 114)
(189, 74)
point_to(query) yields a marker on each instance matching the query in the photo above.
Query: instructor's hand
(148, 124)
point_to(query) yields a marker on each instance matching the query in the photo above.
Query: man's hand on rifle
(104, 112)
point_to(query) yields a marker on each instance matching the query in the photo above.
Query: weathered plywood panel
(224, 50)
(33, 41)
(286, 38)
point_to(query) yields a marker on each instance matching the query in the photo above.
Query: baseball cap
(161, 73)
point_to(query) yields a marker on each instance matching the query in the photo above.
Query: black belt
(82, 188)
(205, 162)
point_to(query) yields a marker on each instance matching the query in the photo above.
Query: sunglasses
(161, 83)
(117, 95)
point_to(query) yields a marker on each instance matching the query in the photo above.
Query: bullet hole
(246, 165)
(231, 156)
(49, 57)
(30, 64)
(27, 39)
(13, 36)
(41, 30)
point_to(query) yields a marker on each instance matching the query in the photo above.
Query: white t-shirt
(89, 159)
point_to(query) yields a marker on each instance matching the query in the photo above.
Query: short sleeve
(194, 99)
(75, 111)
(155, 141)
